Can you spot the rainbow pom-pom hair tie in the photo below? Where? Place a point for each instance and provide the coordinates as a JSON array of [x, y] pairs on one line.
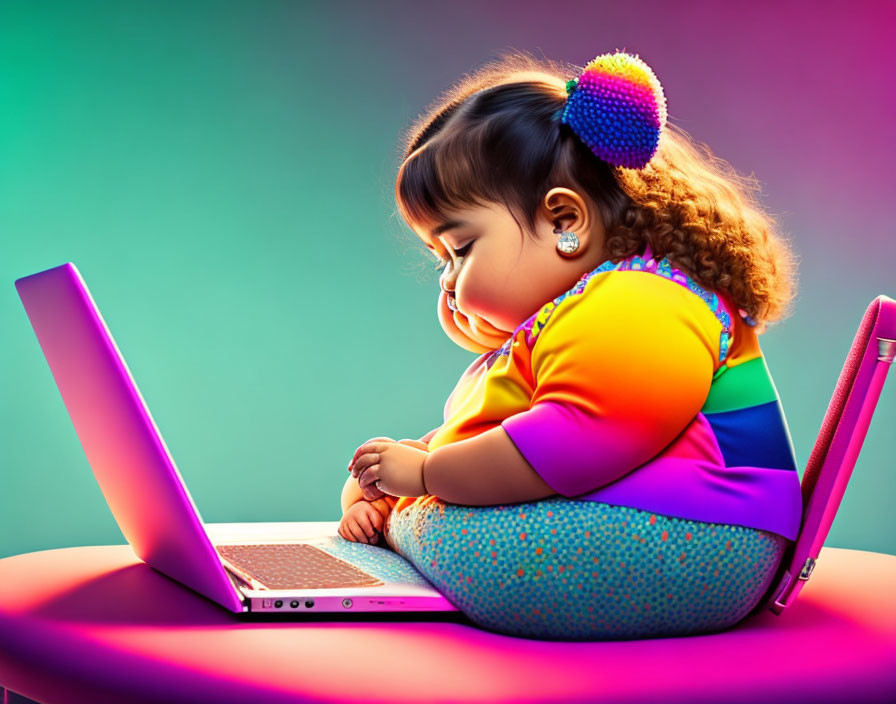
[[616, 106]]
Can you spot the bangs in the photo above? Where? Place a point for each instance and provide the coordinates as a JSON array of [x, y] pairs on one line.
[[500, 146], [444, 175]]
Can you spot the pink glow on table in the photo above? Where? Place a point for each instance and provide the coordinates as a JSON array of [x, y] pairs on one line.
[[108, 626]]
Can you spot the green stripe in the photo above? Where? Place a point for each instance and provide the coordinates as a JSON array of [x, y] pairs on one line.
[[742, 386]]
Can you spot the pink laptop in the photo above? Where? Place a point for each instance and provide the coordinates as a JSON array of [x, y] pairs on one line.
[[837, 447], [152, 505]]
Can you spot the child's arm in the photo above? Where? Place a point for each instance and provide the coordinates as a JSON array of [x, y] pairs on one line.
[[483, 470]]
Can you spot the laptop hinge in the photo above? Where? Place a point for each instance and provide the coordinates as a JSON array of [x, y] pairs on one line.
[[247, 579], [239, 586], [806, 572], [779, 603]]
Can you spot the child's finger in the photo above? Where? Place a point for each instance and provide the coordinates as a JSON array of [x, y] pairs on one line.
[[369, 476], [372, 493], [358, 451], [374, 446], [346, 528], [366, 460], [368, 483], [361, 463], [364, 521], [376, 518], [357, 531]]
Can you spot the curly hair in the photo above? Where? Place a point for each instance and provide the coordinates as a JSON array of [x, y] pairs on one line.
[[494, 136]]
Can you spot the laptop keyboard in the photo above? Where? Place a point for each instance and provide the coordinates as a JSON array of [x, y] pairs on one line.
[[295, 566]]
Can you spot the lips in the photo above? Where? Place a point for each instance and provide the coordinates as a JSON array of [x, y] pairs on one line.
[[452, 304]]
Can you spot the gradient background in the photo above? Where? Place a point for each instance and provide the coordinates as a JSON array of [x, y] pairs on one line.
[[222, 174]]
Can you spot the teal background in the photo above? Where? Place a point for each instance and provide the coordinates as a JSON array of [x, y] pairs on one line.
[[222, 175]]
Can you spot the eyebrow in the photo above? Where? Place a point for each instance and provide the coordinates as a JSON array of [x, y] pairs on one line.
[[448, 225]]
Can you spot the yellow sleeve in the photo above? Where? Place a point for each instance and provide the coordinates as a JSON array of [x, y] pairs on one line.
[[620, 370]]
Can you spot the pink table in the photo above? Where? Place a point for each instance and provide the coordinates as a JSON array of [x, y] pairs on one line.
[[95, 624]]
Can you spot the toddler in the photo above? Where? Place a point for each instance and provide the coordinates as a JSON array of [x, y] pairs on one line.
[[615, 463]]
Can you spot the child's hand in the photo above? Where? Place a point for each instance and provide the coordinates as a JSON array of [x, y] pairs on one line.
[[387, 467], [372, 493], [362, 522]]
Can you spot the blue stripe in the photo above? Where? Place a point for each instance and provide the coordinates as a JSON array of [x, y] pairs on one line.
[[754, 437]]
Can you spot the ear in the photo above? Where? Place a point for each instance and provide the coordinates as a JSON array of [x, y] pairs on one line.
[[567, 210]]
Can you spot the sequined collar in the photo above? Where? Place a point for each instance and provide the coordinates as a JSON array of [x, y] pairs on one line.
[[637, 262]]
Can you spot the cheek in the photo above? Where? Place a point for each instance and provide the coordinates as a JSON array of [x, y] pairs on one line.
[[496, 293], [480, 286], [504, 300]]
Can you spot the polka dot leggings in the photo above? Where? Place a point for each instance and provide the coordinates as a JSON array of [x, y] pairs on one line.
[[582, 570]]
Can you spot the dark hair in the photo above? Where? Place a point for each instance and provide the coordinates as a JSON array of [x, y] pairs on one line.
[[495, 137]]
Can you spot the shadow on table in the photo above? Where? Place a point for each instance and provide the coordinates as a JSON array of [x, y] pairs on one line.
[[139, 595]]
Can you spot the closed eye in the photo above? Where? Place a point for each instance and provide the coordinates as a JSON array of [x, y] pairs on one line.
[[465, 250], [462, 252]]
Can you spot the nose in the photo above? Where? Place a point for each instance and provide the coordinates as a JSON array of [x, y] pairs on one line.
[[447, 283], [448, 280]]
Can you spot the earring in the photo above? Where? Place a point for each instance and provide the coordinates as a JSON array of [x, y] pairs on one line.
[[568, 242]]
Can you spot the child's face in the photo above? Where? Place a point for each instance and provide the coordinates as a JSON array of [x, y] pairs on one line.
[[496, 276]]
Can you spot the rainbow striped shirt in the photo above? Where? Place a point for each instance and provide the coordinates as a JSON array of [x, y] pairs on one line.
[[639, 388]]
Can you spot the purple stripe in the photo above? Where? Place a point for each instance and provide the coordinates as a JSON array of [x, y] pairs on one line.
[[688, 479], [574, 451], [755, 497]]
